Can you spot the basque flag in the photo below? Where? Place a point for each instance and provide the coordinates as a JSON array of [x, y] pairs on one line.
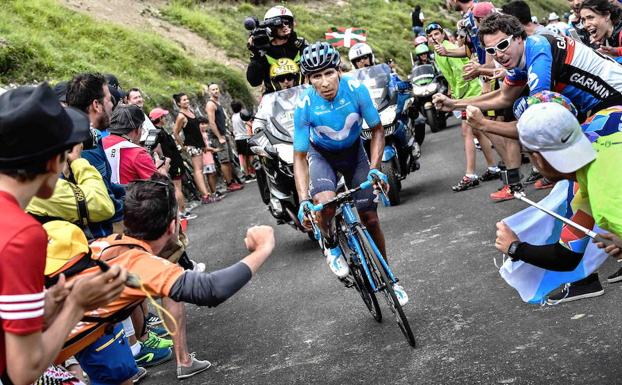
[[345, 37], [532, 283]]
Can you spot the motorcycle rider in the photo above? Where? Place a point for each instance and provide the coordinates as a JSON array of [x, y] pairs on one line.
[[284, 43], [327, 141], [422, 53]]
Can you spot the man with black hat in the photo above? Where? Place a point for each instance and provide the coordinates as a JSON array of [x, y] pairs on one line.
[[35, 134], [127, 159]]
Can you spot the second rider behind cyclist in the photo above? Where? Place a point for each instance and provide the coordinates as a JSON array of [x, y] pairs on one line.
[[327, 128]]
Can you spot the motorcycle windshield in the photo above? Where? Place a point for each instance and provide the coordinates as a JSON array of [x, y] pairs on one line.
[[280, 109], [422, 75], [376, 79]]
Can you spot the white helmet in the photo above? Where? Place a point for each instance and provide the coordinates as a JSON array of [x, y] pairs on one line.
[[359, 50], [278, 11]]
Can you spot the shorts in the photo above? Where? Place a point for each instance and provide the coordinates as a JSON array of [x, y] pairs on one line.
[[194, 151], [108, 360], [352, 163], [243, 148], [224, 155], [209, 168]]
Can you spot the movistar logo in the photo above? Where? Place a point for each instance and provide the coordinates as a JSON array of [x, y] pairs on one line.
[[306, 100], [353, 84]]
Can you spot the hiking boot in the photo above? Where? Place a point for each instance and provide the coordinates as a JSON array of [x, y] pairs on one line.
[[400, 293], [155, 342], [489, 175], [465, 183], [533, 177], [336, 262], [543, 183], [197, 366], [151, 357], [505, 194], [576, 291], [615, 277], [142, 372], [234, 187], [153, 320]]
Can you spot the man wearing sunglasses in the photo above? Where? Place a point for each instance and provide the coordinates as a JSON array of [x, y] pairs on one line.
[[284, 43]]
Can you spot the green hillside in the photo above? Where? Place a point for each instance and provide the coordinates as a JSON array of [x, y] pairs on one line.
[[387, 23], [41, 40]]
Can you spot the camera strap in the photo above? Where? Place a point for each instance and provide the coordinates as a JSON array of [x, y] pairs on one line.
[[83, 212]]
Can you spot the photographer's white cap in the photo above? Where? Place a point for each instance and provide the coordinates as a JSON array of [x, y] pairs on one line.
[[554, 132]]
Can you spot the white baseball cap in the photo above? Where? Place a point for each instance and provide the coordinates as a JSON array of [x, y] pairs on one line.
[[553, 16], [554, 132]]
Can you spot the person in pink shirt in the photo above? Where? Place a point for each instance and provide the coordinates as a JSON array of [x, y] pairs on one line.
[[128, 160]]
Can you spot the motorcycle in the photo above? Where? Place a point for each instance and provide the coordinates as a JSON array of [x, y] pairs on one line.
[[426, 82], [401, 152], [273, 142]]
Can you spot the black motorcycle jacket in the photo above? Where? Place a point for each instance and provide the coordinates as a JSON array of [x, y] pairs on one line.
[[259, 67]]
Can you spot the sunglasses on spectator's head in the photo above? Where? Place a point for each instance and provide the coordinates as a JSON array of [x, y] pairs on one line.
[[500, 46], [286, 77], [432, 27], [159, 183]]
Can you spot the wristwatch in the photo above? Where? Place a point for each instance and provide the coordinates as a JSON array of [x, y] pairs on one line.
[[512, 250]]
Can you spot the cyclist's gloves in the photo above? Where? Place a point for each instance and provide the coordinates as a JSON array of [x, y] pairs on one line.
[[301, 209], [375, 174]]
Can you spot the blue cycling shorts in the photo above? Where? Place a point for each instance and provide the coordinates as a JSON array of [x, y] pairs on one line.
[[108, 360], [352, 163]]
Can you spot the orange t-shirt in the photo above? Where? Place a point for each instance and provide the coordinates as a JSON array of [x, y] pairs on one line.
[[157, 274]]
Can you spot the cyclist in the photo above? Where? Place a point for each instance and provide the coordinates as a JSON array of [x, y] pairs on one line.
[[284, 43], [327, 127]]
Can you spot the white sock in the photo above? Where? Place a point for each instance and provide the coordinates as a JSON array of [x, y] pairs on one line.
[[472, 176], [135, 348], [494, 168]]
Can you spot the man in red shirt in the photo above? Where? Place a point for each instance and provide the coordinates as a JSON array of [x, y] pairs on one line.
[[35, 134], [128, 160]]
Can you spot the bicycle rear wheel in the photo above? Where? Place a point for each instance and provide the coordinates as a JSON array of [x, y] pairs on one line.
[[361, 283], [386, 286]]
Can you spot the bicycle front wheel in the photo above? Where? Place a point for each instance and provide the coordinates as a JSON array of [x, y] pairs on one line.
[[386, 286]]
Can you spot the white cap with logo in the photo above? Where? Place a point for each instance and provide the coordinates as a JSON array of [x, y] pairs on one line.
[[554, 132]]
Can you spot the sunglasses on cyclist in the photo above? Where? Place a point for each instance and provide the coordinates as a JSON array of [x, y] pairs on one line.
[[432, 27], [286, 77], [501, 46]]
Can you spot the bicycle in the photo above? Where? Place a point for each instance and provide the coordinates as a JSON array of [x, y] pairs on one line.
[[369, 272]]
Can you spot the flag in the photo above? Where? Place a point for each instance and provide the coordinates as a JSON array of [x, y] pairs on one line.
[[531, 225], [345, 37]]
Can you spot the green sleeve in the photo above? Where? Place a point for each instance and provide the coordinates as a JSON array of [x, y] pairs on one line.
[[453, 69]]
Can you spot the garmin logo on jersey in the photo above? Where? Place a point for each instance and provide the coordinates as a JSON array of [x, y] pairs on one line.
[[591, 84]]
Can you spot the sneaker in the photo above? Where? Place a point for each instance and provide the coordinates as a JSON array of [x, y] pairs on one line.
[[615, 277], [159, 331], [151, 357], [543, 183], [234, 187], [489, 175], [219, 195], [207, 199], [198, 266], [195, 367], [153, 320], [142, 372], [573, 292], [505, 194], [187, 216], [155, 342], [533, 177], [336, 262], [400, 293], [250, 179], [465, 183]]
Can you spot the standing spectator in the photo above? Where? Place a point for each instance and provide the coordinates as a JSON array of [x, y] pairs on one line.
[[557, 26], [418, 19], [218, 133], [127, 159], [36, 132], [193, 141], [209, 165], [602, 20], [241, 136], [135, 97]]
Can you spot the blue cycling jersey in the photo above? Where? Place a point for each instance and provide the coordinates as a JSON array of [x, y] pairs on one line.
[[472, 30], [333, 125], [589, 79]]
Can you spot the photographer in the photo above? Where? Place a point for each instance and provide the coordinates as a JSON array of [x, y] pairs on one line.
[[270, 40]]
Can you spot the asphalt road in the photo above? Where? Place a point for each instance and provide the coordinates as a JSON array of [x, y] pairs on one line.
[[295, 323]]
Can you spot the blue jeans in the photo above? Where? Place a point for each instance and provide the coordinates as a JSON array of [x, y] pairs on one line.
[[418, 31]]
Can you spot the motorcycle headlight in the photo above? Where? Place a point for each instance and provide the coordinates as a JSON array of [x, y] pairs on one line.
[[387, 116], [432, 87]]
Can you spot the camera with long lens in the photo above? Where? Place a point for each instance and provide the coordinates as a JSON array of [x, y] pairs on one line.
[[261, 31]]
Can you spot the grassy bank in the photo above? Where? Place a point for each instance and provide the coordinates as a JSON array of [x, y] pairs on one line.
[[387, 24], [41, 40]]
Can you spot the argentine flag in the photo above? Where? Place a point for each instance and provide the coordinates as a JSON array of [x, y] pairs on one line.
[[532, 283]]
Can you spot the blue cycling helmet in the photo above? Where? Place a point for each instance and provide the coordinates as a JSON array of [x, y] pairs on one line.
[[317, 57], [544, 96]]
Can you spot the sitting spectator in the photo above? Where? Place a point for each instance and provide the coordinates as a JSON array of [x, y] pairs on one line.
[[36, 132], [155, 199]]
